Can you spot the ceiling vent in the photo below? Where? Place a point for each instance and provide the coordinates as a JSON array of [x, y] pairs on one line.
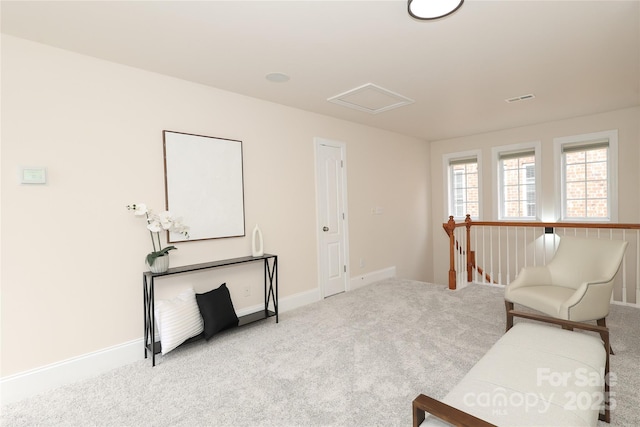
[[371, 99], [520, 98]]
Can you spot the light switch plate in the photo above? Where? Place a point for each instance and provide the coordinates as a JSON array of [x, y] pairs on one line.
[[33, 175]]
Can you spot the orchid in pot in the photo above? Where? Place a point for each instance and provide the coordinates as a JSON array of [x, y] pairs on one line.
[[157, 222]]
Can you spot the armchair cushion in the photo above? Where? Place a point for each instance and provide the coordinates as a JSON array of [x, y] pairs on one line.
[[547, 299], [528, 275]]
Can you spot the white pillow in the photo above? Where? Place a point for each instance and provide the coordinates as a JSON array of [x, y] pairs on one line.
[[178, 319]]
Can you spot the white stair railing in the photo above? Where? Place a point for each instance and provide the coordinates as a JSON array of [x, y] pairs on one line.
[[493, 253]]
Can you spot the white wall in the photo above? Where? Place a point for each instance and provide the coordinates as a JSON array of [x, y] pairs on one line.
[[72, 256], [627, 121]]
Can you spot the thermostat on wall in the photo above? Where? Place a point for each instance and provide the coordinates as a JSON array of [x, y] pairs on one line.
[[33, 175]]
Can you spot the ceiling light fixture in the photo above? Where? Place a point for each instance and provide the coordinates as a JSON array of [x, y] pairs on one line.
[[277, 77], [433, 9]]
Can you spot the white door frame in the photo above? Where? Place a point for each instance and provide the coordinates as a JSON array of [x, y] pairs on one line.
[[345, 235]]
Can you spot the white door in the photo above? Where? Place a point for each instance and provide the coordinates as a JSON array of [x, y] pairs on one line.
[[331, 206]]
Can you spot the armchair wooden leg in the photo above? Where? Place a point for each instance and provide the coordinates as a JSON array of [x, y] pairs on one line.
[[602, 322], [509, 306]]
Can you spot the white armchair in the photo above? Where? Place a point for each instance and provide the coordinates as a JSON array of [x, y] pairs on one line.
[[575, 285]]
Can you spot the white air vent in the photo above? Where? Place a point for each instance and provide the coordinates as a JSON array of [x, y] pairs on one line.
[[520, 98], [371, 99]]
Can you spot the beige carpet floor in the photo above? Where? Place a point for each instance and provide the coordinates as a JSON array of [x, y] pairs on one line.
[[358, 358]]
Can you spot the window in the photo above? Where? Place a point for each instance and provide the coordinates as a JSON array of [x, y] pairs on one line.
[[463, 178], [530, 179], [459, 190], [585, 181], [587, 176], [515, 181]]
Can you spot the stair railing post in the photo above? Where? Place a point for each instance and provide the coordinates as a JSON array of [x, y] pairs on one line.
[[450, 227], [470, 255]]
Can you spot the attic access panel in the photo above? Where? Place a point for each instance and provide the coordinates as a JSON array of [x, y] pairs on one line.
[[371, 99]]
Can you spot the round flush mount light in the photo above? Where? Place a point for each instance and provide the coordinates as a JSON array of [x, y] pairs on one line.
[[277, 77], [433, 9]]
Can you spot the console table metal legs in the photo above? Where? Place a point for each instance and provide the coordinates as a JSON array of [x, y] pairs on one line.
[[149, 321], [148, 297], [271, 276]]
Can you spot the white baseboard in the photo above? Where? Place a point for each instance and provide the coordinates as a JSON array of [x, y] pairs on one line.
[[298, 300], [287, 303], [627, 304], [29, 383], [374, 276], [32, 382]]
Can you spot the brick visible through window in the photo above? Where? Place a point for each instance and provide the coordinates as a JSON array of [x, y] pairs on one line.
[[464, 197], [518, 185], [586, 181]]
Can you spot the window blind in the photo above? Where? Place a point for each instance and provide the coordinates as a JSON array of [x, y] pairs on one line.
[[516, 154], [463, 161], [585, 146]]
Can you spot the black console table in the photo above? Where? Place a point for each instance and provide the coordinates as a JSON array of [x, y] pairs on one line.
[[270, 296]]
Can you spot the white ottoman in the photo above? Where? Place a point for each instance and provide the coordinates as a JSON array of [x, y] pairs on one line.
[[535, 375]]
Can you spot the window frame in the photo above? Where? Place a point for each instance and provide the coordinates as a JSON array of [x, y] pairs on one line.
[[595, 138], [447, 159], [498, 185]]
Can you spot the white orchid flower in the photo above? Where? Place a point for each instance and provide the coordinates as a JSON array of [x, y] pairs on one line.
[[138, 209], [179, 228], [157, 223], [154, 226], [165, 220]]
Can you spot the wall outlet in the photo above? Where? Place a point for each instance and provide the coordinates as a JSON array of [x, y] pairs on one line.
[[247, 291]]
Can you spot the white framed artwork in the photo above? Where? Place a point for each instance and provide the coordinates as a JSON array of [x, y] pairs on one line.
[[204, 185]]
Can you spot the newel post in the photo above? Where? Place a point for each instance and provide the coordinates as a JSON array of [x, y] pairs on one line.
[[449, 227], [471, 261]]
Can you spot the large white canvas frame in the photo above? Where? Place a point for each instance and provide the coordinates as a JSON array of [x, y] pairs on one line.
[[204, 185]]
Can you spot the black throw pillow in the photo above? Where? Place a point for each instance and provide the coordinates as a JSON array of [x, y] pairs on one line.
[[217, 311]]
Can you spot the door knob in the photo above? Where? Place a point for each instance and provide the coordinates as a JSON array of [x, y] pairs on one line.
[[325, 228]]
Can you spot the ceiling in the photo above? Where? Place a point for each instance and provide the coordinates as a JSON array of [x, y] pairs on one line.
[[576, 57]]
